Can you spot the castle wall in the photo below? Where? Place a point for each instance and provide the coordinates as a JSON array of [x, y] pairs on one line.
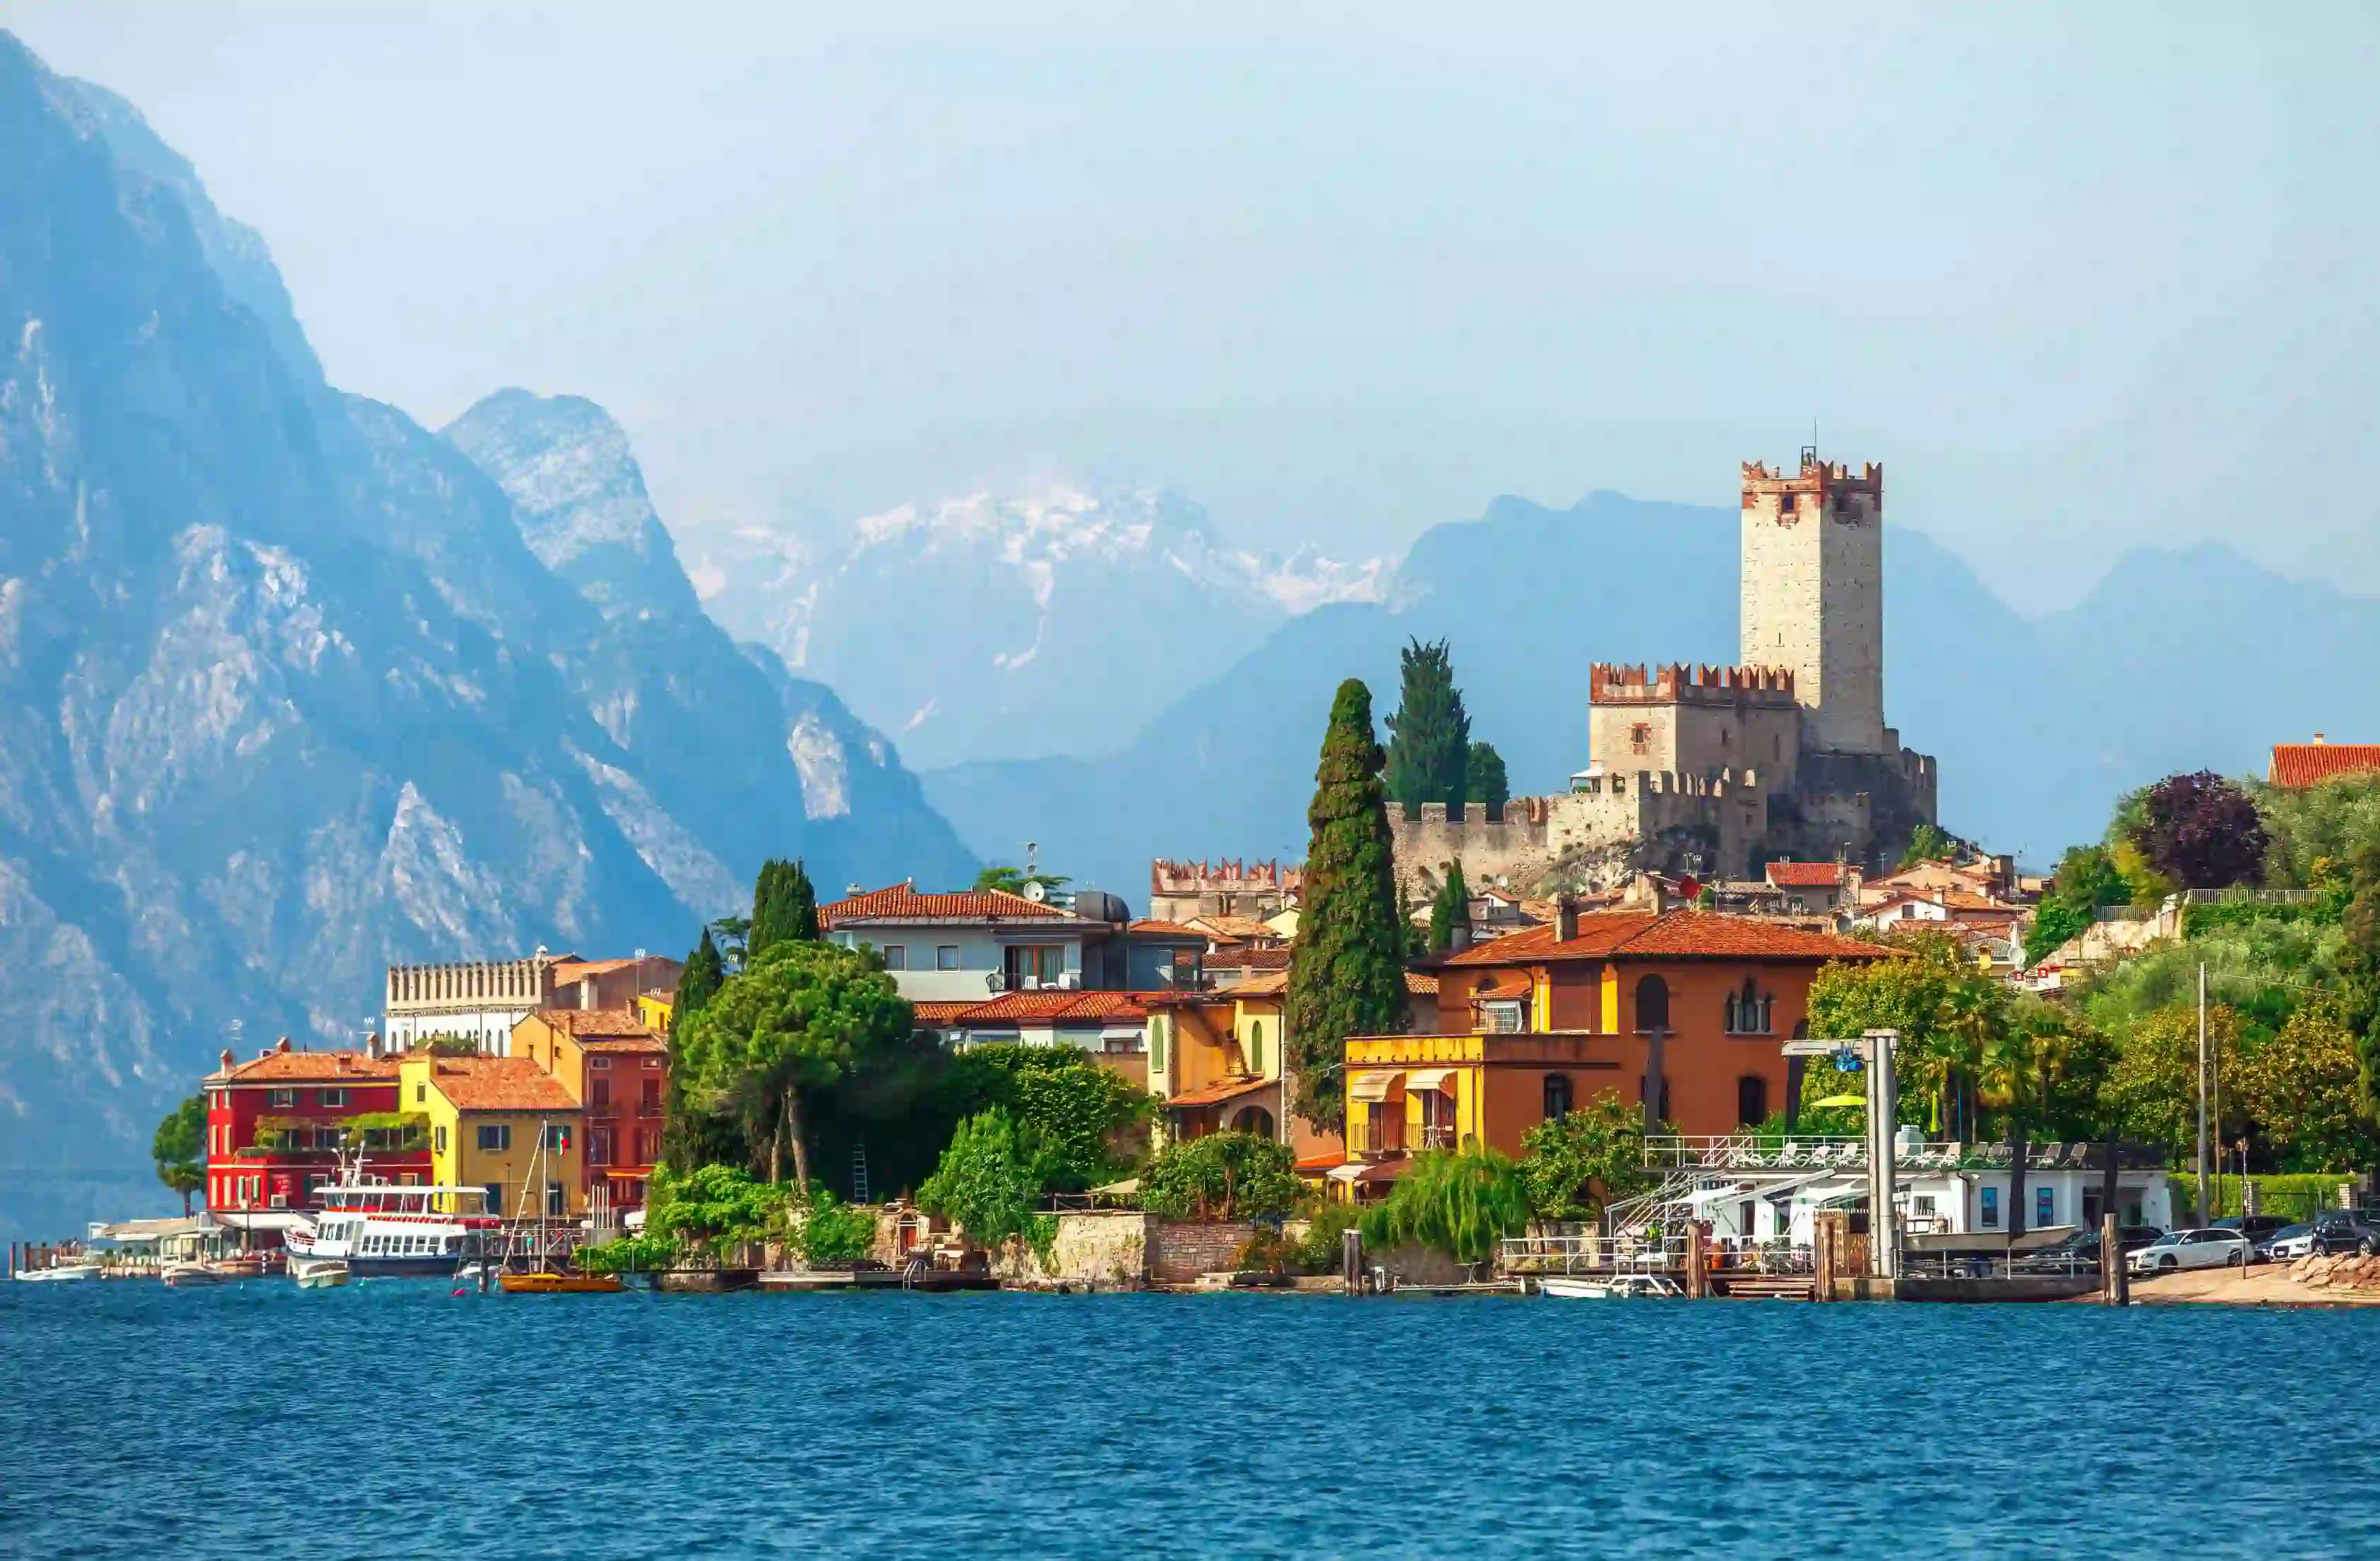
[[1608, 829], [1813, 596], [1704, 720]]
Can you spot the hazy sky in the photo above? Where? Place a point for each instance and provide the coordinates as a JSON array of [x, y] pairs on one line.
[[2084, 278]]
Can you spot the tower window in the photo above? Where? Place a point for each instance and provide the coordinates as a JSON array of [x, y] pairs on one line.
[[1785, 504], [1640, 737]]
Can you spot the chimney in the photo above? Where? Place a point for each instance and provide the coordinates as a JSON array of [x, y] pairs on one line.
[[227, 1059], [1565, 916], [2317, 738], [282, 1045]]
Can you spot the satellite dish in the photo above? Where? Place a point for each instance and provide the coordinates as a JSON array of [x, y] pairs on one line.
[[1036, 891]]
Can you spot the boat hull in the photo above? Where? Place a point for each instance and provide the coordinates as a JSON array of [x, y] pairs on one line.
[[558, 1284]]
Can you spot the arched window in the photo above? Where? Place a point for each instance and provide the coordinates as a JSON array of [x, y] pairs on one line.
[[1253, 1119], [1651, 1006], [1558, 1096], [1750, 1101], [1255, 1046]]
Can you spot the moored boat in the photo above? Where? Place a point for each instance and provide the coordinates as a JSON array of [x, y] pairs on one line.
[[189, 1275], [319, 1273], [1620, 1286], [382, 1229], [548, 1284], [59, 1274]]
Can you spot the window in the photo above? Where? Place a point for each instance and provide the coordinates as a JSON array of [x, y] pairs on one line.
[[1157, 1045], [1640, 737], [599, 1064], [946, 958], [334, 1097], [599, 1146], [649, 1145], [1748, 1010], [1558, 1096], [1501, 1017], [495, 1137], [896, 957], [557, 1140], [1030, 966], [599, 1094], [1750, 1101], [420, 1093], [1653, 1008], [1991, 1196], [284, 1097], [440, 1135], [553, 1204], [1255, 1046], [2045, 1206]]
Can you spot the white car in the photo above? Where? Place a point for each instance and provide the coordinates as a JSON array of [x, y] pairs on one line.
[[2193, 1249], [2289, 1243]]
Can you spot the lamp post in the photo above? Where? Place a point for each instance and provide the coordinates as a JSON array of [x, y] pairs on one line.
[[1874, 1048]]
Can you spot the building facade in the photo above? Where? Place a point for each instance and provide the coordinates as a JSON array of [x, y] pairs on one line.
[[277, 1123], [503, 1124], [481, 1001], [969, 947], [616, 1067]]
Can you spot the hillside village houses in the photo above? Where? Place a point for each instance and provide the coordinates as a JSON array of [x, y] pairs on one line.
[[481, 1001]]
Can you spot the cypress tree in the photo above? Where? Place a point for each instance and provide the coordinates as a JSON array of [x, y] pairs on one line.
[[1429, 737], [1450, 910], [785, 908], [1346, 973], [1484, 779], [703, 973]]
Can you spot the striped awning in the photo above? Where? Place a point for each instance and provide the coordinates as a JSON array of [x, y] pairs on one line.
[[1370, 1086], [1428, 1078]]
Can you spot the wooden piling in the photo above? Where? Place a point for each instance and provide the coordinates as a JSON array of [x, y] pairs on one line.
[[2115, 1272]]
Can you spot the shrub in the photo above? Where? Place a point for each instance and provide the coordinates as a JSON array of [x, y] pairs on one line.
[[1220, 1177], [832, 1233], [1459, 1205]]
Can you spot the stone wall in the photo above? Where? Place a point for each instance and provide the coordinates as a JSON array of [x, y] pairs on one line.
[[1185, 1250], [1107, 1249]]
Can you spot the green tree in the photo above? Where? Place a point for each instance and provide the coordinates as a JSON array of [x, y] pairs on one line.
[[1948, 1010], [986, 1181], [1484, 780], [1461, 1205], [1220, 1177], [2086, 879], [1346, 969], [1577, 1164], [2153, 1088], [1928, 842], [802, 1017], [699, 981], [785, 908], [713, 1211], [1012, 881], [1449, 909], [179, 1148], [735, 933], [829, 1232], [1429, 735], [2317, 826], [1079, 1123], [2303, 1089]]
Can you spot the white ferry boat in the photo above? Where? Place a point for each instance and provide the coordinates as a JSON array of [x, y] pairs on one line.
[[383, 1229]]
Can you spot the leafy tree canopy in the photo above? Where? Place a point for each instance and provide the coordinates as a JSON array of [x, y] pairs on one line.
[[2201, 831], [1947, 1009], [1577, 1164], [1079, 1123], [1429, 735], [785, 908], [179, 1148], [1484, 779], [713, 1209], [1462, 1204], [986, 1182], [829, 1233], [1012, 880], [1220, 1177], [1928, 842], [704, 973], [1449, 909]]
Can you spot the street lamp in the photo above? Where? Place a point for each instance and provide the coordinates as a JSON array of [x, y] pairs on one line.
[[1874, 1047]]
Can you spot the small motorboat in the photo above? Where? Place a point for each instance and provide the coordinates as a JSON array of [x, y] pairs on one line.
[[319, 1273], [247, 1265], [189, 1275], [548, 1284], [59, 1274], [1620, 1286]]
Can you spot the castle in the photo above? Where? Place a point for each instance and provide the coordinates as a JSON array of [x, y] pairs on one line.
[[1716, 770]]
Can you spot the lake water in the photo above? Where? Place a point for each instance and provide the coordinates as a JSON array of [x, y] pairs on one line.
[[395, 1419]]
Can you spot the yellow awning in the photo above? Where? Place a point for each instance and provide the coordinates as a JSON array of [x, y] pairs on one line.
[[1370, 1086], [1428, 1078]]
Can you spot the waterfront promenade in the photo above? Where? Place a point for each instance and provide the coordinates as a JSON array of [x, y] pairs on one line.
[[397, 1420]]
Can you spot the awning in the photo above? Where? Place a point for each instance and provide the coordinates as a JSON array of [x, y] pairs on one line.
[[1368, 1171], [1369, 1086], [1124, 1189], [1428, 1078], [1216, 1094]]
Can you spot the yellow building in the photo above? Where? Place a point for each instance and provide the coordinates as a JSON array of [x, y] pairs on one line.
[[500, 1123], [656, 1009]]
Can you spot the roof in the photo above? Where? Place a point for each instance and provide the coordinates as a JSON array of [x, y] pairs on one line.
[[1235, 927], [1506, 984], [902, 903], [1043, 1007], [1275, 958], [1271, 983], [1217, 1093], [1806, 874], [282, 1066], [2309, 764], [597, 1024], [567, 970], [1674, 934], [1420, 983], [499, 1084], [1151, 928], [940, 1013]]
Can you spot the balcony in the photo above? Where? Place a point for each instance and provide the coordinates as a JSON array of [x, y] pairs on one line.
[[650, 1110], [1376, 1135]]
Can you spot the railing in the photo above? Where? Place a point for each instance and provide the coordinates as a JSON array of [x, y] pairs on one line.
[[1747, 1152], [1435, 1137], [1590, 1255], [2239, 896], [650, 1108], [1376, 1138]]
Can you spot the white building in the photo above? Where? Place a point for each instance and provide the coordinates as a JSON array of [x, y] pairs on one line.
[[481, 1000], [972, 945]]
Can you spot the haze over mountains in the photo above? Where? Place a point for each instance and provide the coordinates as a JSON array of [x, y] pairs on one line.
[[289, 689]]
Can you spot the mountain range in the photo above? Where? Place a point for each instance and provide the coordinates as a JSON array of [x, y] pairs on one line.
[[1015, 626], [291, 688]]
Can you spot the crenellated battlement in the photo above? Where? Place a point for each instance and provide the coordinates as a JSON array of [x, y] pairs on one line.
[[1815, 476], [1679, 683]]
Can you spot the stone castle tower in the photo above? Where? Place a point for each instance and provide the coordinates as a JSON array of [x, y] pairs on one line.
[[1813, 570]]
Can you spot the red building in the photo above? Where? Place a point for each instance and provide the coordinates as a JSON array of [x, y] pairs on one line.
[[276, 1123], [617, 1069]]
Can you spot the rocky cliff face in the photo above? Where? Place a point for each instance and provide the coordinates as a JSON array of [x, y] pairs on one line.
[[291, 688]]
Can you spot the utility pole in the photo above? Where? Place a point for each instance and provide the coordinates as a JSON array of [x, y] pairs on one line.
[[2205, 1215]]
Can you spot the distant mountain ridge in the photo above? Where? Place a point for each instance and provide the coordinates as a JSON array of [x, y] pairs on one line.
[[291, 688], [2038, 724], [992, 624]]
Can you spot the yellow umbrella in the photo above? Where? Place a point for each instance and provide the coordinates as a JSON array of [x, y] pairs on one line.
[[1832, 1101]]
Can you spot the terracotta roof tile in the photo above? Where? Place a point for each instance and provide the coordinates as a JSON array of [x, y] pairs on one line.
[[2309, 764], [499, 1084], [1250, 959], [1269, 983], [597, 1024], [308, 1068], [1152, 928], [1216, 1094], [902, 903], [1420, 983], [1056, 1008], [1641, 934], [1501, 986], [940, 1013], [1806, 874]]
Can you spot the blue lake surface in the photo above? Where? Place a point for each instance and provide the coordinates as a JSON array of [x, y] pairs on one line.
[[395, 1419]]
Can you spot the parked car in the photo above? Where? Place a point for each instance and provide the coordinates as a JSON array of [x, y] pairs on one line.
[[2287, 1244], [2255, 1227], [2078, 1253], [2340, 1231], [2192, 1248]]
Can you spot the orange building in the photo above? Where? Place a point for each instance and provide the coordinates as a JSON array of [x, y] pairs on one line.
[[617, 1069], [1536, 1024]]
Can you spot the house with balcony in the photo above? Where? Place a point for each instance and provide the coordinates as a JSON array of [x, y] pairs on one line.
[[1536, 1023], [616, 1067], [277, 1123]]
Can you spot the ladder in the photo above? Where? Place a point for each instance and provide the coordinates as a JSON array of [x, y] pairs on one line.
[[859, 1173]]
